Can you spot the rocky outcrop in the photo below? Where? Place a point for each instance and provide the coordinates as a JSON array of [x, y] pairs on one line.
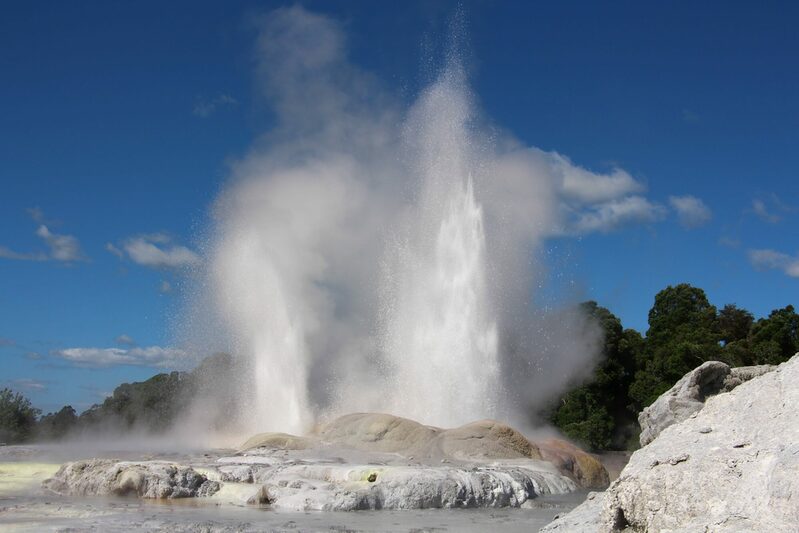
[[280, 441], [582, 519], [479, 441], [688, 395], [730, 466], [357, 487], [486, 439], [359, 461], [378, 432], [147, 479], [582, 467]]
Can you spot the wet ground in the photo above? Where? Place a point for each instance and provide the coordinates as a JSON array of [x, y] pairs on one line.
[[25, 506]]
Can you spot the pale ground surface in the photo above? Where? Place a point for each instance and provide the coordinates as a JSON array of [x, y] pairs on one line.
[[25, 506]]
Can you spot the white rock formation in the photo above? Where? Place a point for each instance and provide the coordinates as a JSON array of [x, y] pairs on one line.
[[146, 479], [688, 395], [731, 466], [360, 461]]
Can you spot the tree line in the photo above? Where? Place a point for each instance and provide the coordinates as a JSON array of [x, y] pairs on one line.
[[600, 412], [151, 406], [685, 330]]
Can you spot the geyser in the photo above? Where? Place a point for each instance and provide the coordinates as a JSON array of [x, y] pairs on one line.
[[369, 255], [440, 331]]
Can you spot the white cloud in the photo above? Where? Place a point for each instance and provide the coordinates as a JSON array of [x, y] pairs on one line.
[[62, 247], [114, 250], [204, 108], [585, 187], [125, 339], [28, 384], [164, 287], [774, 260], [7, 253], [691, 211], [155, 251], [759, 208], [155, 356], [729, 242], [610, 215], [37, 215]]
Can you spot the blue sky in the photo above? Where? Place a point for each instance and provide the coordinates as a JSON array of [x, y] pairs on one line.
[[119, 122]]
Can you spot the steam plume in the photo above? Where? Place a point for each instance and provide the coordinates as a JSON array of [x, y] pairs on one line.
[[371, 256]]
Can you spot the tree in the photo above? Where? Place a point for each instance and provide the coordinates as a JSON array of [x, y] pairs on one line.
[[56, 425], [683, 333], [734, 323], [17, 417], [596, 413], [775, 339], [152, 404]]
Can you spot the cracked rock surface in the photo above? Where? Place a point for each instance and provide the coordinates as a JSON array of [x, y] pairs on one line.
[[145, 479], [742, 475], [358, 461]]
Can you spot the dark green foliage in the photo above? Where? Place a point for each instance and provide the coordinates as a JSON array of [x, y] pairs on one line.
[[734, 324], [151, 404], [154, 405], [17, 417], [53, 426], [596, 413], [685, 330], [683, 334], [775, 339], [582, 417]]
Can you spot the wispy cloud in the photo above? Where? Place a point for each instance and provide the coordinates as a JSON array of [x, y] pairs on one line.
[[155, 251], [729, 242], [774, 260], [204, 107], [691, 211], [114, 250], [595, 202], [585, 187], [27, 384], [760, 209], [690, 116], [61, 247], [125, 339], [155, 356], [6, 342], [611, 215], [7, 253]]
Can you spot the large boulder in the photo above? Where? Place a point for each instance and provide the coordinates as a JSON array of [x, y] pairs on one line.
[[688, 395], [731, 466]]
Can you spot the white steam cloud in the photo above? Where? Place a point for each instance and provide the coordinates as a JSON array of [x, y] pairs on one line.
[[367, 256]]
